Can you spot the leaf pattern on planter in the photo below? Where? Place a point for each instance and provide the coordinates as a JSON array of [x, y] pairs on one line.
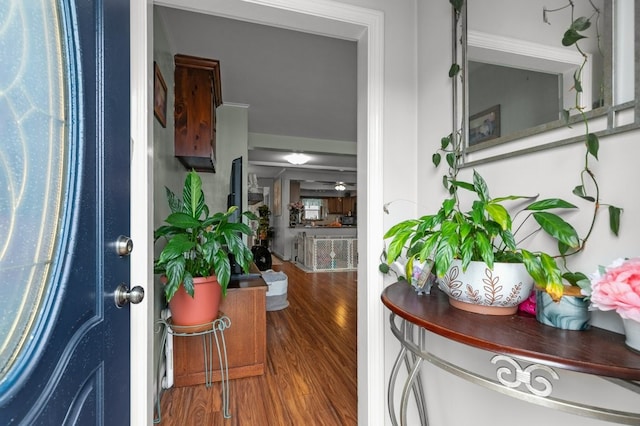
[[492, 288], [473, 295], [514, 295], [453, 284]]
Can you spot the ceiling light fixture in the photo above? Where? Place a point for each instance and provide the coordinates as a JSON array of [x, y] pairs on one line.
[[340, 186], [297, 158]]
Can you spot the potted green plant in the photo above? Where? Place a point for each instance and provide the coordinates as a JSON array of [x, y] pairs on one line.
[[265, 231], [197, 253], [483, 233]]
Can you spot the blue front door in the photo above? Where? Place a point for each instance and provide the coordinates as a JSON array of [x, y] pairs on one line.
[[64, 201]]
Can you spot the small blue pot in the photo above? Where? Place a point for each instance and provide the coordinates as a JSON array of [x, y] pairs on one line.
[[570, 313]]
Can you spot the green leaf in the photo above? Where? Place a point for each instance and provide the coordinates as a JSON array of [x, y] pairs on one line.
[[447, 247], [223, 270], [571, 36], [556, 227], [553, 276], [533, 266], [401, 226], [444, 142], [174, 271], [397, 244], [614, 219], [512, 197], [593, 145], [435, 158], [192, 194], [574, 277], [454, 70], [183, 221], [175, 203], [508, 239], [484, 248], [577, 84], [499, 214], [550, 203], [175, 248], [465, 230], [448, 205], [466, 251], [579, 191], [581, 24], [480, 186], [445, 182], [408, 267], [461, 184], [187, 283], [384, 268], [451, 159], [457, 4]]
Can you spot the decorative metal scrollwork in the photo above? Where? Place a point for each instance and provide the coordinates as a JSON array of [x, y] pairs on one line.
[[530, 376]]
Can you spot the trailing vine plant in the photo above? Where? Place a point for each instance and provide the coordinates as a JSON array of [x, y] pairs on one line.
[[588, 189]]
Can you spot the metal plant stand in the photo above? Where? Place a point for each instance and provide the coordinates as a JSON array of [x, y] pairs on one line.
[[209, 332]]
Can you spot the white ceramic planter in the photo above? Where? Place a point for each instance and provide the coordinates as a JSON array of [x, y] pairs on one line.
[[496, 291], [632, 333]]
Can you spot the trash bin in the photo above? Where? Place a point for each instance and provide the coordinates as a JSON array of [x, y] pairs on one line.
[[277, 292]]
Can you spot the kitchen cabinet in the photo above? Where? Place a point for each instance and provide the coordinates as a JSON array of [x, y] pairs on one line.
[[341, 205], [334, 205], [349, 204], [197, 95]]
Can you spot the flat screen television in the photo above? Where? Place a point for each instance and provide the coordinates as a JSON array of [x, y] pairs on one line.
[[235, 189], [235, 199]]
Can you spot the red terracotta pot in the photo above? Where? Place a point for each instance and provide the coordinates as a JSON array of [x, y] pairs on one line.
[[202, 308]]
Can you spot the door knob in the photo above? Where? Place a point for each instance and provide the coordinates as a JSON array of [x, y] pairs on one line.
[[123, 295], [124, 245]]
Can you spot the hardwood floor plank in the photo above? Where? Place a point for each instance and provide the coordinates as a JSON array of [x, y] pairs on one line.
[[310, 376]]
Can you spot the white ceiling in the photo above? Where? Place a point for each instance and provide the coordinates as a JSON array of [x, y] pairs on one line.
[[296, 84]]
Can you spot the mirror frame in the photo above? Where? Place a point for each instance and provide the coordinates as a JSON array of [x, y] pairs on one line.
[[545, 135]]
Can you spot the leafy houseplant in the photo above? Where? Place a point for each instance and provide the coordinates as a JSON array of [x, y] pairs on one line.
[[199, 244], [482, 233], [265, 231]]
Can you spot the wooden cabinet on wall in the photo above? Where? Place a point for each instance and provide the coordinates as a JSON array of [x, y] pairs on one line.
[[334, 205], [341, 205], [197, 95], [349, 205]]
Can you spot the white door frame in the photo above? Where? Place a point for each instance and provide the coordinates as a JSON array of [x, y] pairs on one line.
[[325, 17], [142, 314]]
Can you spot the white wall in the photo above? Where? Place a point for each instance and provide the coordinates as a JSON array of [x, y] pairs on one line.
[[167, 170], [552, 172], [231, 143]]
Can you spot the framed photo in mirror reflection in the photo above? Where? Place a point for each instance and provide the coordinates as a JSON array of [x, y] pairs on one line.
[[484, 125]]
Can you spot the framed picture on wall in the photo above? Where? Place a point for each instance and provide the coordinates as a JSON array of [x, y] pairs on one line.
[[484, 125], [159, 96], [277, 197]]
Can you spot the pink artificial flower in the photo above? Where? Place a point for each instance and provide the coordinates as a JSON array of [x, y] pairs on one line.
[[617, 287]]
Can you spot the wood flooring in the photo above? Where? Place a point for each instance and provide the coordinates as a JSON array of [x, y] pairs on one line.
[[311, 364]]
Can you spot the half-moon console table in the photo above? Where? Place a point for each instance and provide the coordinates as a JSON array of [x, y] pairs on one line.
[[526, 354]]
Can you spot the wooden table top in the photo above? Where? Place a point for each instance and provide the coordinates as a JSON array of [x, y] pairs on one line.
[[594, 351]]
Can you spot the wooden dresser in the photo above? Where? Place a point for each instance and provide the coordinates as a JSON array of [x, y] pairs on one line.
[[246, 338]]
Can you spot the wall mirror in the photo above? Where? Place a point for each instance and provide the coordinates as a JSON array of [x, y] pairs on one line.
[[517, 77]]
